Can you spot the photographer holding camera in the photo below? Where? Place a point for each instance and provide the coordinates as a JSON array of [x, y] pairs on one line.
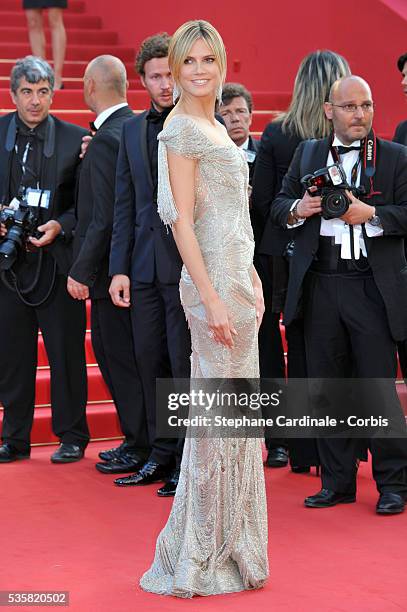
[[348, 270], [39, 157]]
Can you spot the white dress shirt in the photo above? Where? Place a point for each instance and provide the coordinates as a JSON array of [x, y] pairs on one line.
[[101, 118]]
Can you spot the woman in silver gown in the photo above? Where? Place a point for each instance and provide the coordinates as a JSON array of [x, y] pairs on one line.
[[215, 540]]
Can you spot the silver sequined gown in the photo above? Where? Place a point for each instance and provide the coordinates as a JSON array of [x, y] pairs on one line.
[[215, 540]]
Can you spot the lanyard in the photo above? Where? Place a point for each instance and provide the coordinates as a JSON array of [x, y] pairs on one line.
[[23, 160], [355, 169], [25, 168]]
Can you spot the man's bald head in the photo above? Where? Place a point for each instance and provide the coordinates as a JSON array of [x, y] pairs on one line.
[[105, 82], [347, 85], [109, 73], [350, 108]]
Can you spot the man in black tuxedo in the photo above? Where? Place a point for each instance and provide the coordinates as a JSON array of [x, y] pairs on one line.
[[145, 263], [39, 157], [105, 86], [401, 130], [236, 111], [354, 303], [400, 136]]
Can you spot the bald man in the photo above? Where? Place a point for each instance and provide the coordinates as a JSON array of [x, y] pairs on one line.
[[354, 298], [105, 87]]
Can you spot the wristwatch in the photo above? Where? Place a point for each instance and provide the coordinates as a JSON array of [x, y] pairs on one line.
[[294, 216], [375, 220]]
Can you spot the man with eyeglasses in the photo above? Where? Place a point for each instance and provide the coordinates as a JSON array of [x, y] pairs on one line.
[[350, 275]]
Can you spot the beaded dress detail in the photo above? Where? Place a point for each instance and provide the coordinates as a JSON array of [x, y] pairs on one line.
[[215, 540]]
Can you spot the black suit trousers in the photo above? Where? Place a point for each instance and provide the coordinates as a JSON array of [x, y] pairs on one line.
[[112, 341], [62, 322], [347, 335], [162, 348]]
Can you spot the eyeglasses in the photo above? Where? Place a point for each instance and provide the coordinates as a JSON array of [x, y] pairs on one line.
[[367, 107]]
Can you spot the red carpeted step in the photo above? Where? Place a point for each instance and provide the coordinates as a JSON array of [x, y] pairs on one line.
[[74, 6], [71, 68], [97, 390], [264, 100], [71, 20], [101, 416], [75, 36], [74, 52]]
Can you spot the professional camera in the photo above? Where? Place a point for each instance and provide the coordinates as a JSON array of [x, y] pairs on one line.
[[20, 224], [331, 184]]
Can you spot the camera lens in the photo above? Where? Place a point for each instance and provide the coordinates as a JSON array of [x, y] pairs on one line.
[[9, 247], [334, 204]]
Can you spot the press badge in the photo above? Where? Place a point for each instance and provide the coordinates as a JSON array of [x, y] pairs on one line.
[[250, 156], [32, 197]]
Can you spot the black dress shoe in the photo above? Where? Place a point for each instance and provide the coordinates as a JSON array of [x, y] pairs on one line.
[[277, 457], [170, 487], [67, 453], [115, 453], [390, 503], [150, 472], [124, 464], [326, 498], [9, 453]]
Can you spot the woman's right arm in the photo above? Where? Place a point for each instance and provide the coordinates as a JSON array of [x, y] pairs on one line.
[[182, 172]]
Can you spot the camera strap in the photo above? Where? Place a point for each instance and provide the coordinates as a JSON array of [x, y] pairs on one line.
[[355, 168], [369, 160]]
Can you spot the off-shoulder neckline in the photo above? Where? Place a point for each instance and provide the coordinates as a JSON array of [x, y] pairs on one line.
[[201, 131]]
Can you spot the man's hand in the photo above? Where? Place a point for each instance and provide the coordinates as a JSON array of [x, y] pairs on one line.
[[51, 230], [309, 205], [84, 146], [120, 290], [77, 290], [358, 212], [3, 230]]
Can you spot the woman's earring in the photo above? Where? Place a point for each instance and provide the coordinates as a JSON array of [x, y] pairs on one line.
[[175, 93], [219, 95]]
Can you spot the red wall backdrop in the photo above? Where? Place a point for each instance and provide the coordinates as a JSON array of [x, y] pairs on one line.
[[266, 40]]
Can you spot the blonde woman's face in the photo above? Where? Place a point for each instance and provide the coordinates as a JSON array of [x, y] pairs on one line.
[[200, 73]]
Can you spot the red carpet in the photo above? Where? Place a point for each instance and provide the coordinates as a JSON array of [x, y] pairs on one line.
[[66, 527]]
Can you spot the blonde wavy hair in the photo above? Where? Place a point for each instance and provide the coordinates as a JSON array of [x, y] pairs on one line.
[[316, 74]]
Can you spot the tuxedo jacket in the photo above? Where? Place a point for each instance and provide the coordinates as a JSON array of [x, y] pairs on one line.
[[59, 170], [400, 134], [276, 151], [253, 145], [385, 253], [94, 206], [142, 247]]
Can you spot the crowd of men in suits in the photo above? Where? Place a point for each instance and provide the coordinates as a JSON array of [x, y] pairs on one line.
[[100, 238]]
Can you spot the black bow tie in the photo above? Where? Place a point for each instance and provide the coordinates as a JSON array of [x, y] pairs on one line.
[[27, 132], [342, 150], [92, 126], [153, 116]]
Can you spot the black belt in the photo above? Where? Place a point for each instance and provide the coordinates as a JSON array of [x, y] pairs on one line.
[[328, 260]]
